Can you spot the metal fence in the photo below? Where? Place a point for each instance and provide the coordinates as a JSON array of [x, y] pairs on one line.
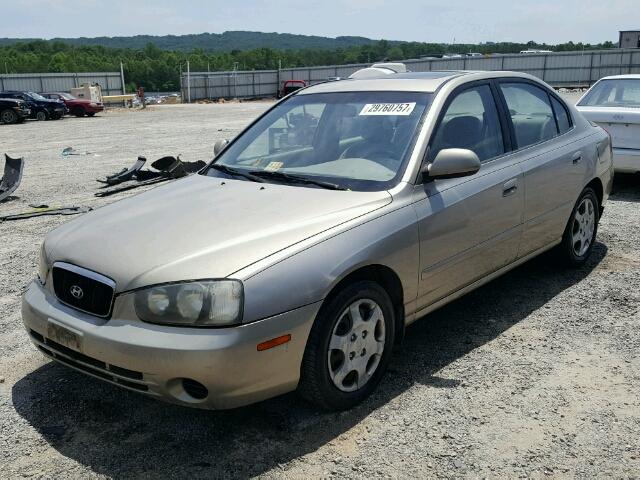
[[561, 69], [110, 82]]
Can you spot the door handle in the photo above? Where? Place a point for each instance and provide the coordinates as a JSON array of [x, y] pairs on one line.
[[577, 158], [510, 187]]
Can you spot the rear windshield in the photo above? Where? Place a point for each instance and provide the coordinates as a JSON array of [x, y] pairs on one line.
[[613, 93]]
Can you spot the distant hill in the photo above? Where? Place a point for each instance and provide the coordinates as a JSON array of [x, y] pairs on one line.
[[215, 42]]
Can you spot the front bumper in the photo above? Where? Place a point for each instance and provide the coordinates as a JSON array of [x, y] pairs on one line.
[[154, 359], [626, 160]]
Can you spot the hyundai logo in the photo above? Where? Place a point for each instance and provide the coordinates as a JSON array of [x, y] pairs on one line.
[[76, 292]]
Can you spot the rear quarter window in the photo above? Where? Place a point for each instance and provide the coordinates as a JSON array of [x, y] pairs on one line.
[[562, 115]]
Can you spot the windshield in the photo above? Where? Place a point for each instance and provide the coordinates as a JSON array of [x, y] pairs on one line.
[[352, 140], [613, 93], [36, 96]]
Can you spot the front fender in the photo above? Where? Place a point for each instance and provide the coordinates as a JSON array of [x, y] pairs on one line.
[[309, 275]]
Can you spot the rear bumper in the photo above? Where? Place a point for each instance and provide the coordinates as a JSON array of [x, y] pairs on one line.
[[626, 160], [154, 359]]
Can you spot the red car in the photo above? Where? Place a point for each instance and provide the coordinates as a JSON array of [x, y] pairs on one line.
[[76, 106]]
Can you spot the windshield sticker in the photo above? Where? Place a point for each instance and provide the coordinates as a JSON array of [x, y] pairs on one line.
[[274, 166], [388, 108]]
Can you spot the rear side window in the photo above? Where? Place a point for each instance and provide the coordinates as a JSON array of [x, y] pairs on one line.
[[531, 113], [471, 121], [562, 116]]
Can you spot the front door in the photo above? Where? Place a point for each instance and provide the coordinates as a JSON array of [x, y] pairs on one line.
[[471, 226]]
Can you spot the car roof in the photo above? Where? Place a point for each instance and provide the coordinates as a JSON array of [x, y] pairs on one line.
[[634, 76], [428, 82], [408, 82]]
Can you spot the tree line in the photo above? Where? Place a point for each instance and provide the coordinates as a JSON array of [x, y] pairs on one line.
[[159, 70]]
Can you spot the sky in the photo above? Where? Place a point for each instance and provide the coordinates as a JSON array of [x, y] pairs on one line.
[[446, 21]]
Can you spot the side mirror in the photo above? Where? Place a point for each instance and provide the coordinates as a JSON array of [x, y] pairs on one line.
[[219, 146], [452, 163]]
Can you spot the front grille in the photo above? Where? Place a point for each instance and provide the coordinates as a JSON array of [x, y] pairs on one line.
[[93, 366], [83, 289]]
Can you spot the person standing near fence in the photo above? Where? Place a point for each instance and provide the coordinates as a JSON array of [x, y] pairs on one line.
[[140, 93]]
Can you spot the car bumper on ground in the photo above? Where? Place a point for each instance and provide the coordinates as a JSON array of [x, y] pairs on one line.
[[626, 160], [205, 368]]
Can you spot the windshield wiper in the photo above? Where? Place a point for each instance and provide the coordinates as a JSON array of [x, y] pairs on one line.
[[236, 172], [287, 177]]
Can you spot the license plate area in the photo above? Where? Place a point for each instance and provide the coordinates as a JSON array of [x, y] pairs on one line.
[[65, 336]]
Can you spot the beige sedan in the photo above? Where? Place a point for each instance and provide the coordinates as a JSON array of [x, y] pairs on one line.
[[297, 258]]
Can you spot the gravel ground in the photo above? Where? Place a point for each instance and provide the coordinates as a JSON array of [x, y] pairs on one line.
[[535, 374]]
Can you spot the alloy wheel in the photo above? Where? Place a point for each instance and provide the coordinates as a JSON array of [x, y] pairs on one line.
[[584, 223], [356, 345], [8, 117]]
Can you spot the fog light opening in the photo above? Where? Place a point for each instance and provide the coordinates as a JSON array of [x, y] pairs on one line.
[[194, 389]]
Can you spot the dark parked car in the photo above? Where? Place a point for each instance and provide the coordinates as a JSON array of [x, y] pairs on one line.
[[76, 106], [41, 108], [13, 111]]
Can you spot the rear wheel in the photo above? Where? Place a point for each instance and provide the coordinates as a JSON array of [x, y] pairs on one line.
[[580, 233], [349, 347], [42, 116], [8, 116]]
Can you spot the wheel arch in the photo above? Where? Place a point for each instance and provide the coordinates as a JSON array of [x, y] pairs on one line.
[[388, 279], [596, 185]]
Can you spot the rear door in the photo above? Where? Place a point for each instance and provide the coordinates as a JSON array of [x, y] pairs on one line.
[[552, 158], [471, 226]]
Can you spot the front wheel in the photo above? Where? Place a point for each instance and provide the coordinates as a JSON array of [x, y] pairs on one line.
[[9, 116], [580, 233], [42, 116], [349, 347]]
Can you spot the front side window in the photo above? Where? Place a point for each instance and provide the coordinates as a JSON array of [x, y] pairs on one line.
[[353, 140], [36, 96], [613, 93], [471, 122], [531, 113]]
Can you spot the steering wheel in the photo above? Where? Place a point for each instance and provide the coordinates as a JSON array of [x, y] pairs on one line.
[[371, 152]]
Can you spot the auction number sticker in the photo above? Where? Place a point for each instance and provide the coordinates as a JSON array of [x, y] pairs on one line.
[[388, 108]]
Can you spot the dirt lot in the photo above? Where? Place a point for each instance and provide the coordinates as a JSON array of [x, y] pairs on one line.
[[536, 374]]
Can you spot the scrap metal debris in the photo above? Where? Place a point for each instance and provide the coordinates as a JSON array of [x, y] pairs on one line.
[[72, 151], [166, 168], [125, 174], [131, 186], [12, 176], [46, 210]]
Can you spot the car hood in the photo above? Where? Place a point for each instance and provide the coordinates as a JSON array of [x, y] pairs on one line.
[[201, 227], [11, 100]]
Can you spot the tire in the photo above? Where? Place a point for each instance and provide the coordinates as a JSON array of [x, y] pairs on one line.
[[581, 230], [8, 116], [90, 114], [78, 111], [329, 377], [42, 115]]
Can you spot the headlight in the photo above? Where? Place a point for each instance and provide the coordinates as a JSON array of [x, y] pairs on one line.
[[207, 303], [43, 265]]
